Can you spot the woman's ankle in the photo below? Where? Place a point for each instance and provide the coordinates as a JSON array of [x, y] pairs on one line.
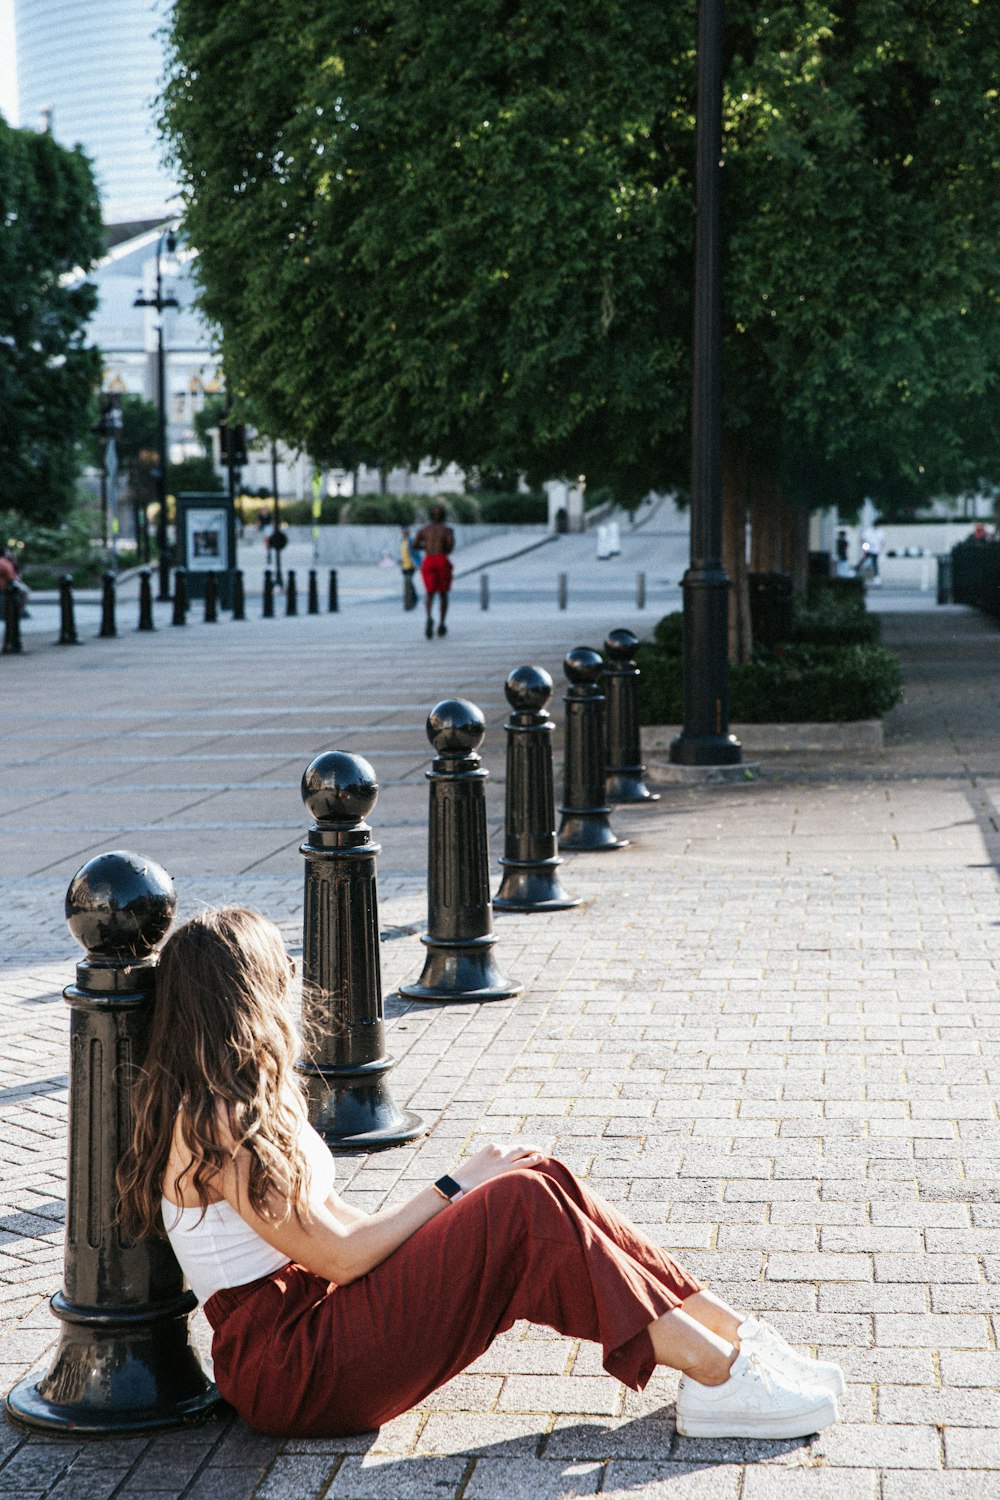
[[714, 1369]]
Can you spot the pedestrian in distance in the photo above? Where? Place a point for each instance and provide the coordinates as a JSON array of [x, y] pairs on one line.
[[436, 541], [330, 1321], [408, 560], [872, 542]]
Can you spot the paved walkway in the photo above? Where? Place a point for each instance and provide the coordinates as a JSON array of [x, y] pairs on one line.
[[771, 1033]]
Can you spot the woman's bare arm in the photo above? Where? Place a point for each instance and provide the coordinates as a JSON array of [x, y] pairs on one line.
[[337, 1241]]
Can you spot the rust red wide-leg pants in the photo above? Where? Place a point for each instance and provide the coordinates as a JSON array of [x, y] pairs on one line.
[[298, 1357]]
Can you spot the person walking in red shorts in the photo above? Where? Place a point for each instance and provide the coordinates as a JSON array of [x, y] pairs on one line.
[[327, 1320], [436, 541]]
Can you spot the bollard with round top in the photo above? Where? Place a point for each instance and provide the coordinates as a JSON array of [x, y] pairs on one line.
[[180, 597], [312, 607], [108, 628], [624, 781], [459, 964], [268, 602], [239, 596], [67, 614], [124, 1361], [291, 594], [347, 1075], [12, 644], [145, 602], [530, 861], [584, 827], [332, 603]]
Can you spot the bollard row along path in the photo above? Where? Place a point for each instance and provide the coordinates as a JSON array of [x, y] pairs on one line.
[[769, 1031]]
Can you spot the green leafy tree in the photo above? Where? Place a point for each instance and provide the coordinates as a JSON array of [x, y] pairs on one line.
[[481, 249], [50, 225]]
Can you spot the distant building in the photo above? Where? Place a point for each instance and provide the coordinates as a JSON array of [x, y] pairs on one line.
[[90, 71]]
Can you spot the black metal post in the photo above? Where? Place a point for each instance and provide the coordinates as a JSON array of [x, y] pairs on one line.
[[161, 303], [350, 1103], [12, 644], [291, 594], [563, 590], [313, 606], [67, 615], [180, 597], [624, 781], [211, 598], [704, 739], [584, 826], [124, 1362], [268, 594], [108, 627], [640, 591], [332, 604], [145, 602], [484, 591], [239, 597], [530, 860], [459, 963]]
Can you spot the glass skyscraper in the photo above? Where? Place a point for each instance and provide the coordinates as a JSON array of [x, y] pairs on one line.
[[97, 65]]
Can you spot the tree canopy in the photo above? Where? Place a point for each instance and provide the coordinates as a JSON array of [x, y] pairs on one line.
[[465, 230], [50, 225]]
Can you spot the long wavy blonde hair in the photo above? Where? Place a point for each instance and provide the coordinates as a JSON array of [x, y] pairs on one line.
[[220, 1035]]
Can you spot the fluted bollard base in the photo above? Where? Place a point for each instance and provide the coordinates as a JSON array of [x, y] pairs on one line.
[[460, 970], [101, 1374], [586, 830], [627, 785], [532, 887], [353, 1108]]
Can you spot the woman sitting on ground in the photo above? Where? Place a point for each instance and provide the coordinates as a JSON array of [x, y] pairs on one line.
[[329, 1321]]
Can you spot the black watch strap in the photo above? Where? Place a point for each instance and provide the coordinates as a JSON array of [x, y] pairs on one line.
[[449, 1188]]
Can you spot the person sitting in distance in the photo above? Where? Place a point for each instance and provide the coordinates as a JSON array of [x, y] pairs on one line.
[[329, 1321]]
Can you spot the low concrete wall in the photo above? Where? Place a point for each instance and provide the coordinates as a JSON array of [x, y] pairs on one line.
[[340, 545]]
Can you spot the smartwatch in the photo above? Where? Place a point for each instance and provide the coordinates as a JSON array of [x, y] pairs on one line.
[[448, 1188]]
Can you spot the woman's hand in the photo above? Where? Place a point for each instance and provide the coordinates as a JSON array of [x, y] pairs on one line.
[[493, 1161]]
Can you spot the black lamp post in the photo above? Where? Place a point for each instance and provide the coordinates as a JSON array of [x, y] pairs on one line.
[[704, 739], [161, 302]]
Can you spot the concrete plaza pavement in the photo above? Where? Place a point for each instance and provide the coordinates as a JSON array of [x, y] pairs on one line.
[[770, 1034]]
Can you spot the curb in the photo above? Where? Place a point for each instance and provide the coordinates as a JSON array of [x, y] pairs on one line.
[[854, 735]]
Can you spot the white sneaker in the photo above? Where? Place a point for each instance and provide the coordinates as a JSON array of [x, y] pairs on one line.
[[802, 1369], [756, 1401]]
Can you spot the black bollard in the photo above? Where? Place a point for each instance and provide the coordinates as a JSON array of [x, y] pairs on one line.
[[347, 1076], [563, 590], [12, 644], [291, 594], [584, 826], [180, 597], [332, 604], [313, 606], [640, 588], [211, 598], [239, 598], [459, 963], [124, 1362], [145, 601], [530, 861], [108, 628], [67, 614], [623, 782], [484, 591], [268, 594]]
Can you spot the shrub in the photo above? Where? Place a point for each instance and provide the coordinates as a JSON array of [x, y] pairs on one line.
[[44, 553], [790, 684], [194, 475], [833, 619], [379, 510], [669, 633], [516, 509]]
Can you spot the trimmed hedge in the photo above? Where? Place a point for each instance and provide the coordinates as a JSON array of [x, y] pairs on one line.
[[515, 509], [788, 685]]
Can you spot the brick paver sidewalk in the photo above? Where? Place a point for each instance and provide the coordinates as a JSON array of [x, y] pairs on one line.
[[771, 1033]]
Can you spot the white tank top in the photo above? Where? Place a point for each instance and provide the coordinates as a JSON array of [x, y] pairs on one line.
[[221, 1249]]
